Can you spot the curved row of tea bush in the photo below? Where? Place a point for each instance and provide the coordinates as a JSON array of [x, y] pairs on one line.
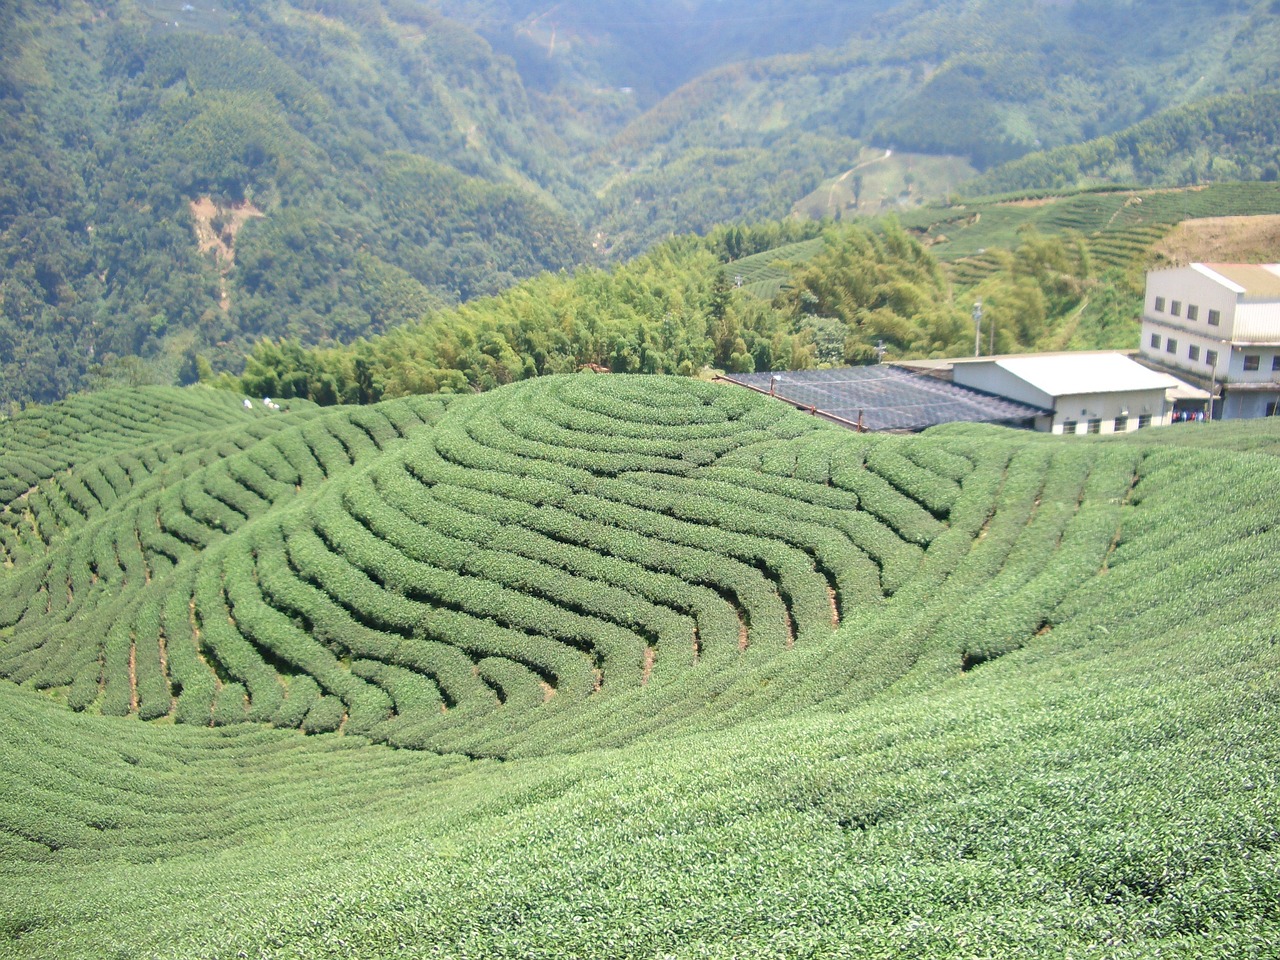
[[1056, 736], [40, 441], [84, 611], [564, 562]]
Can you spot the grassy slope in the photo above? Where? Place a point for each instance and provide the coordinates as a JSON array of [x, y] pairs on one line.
[[1106, 787]]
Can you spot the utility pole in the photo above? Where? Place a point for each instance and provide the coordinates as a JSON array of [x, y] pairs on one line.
[[1213, 388], [977, 327], [1224, 346]]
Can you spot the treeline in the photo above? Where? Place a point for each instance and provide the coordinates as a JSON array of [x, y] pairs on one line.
[[870, 291], [1227, 138]]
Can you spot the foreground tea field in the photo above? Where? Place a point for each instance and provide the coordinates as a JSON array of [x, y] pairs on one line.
[[679, 672]]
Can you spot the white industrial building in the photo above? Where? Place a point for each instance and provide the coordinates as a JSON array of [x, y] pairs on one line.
[[1218, 325], [1086, 392]]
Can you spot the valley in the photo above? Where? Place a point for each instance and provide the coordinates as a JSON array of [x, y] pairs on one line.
[[386, 568]]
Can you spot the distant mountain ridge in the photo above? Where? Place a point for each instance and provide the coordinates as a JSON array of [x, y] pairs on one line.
[[987, 80], [1230, 137]]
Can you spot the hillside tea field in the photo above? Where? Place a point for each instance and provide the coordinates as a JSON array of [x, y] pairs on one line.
[[630, 666]]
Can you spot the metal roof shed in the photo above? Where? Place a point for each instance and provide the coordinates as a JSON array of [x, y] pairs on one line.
[[1089, 390], [887, 398]]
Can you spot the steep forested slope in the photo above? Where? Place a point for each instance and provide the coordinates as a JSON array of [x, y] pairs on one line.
[[1234, 137], [177, 180]]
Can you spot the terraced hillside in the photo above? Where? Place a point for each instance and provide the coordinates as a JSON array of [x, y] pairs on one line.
[[1118, 225], [972, 237], [704, 673], [563, 564]]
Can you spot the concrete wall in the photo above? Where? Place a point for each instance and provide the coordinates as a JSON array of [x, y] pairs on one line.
[[1236, 373], [1189, 287], [986, 376], [1246, 406], [1181, 357], [1106, 407]]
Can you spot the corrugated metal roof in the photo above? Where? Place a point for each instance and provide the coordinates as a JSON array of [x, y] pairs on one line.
[[1256, 281], [888, 398], [1064, 374]]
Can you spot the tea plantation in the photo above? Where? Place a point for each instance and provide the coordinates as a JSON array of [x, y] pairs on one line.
[[628, 666]]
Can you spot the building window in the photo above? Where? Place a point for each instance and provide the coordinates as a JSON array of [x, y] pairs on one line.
[[1193, 312], [1275, 363], [1121, 424], [1171, 345], [1251, 361], [1068, 426], [1215, 317], [1159, 304], [1175, 308], [1155, 341], [1211, 357], [1144, 421], [1095, 426], [1271, 409], [1193, 353]]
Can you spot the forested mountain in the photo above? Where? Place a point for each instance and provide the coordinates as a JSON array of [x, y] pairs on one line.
[[1234, 137], [989, 80], [181, 179], [650, 47], [346, 166]]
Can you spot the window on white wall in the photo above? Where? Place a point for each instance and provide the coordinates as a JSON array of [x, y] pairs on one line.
[[1121, 424], [1175, 308], [1215, 317], [1159, 304], [1193, 353], [1251, 361], [1155, 341], [1193, 312], [1211, 357], [1171, 345]]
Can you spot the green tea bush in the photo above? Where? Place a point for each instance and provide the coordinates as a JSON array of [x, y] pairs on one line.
[[485, 574], [325, 716]]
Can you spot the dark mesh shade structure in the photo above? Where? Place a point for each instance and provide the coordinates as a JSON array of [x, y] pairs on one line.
[[888, 398]]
